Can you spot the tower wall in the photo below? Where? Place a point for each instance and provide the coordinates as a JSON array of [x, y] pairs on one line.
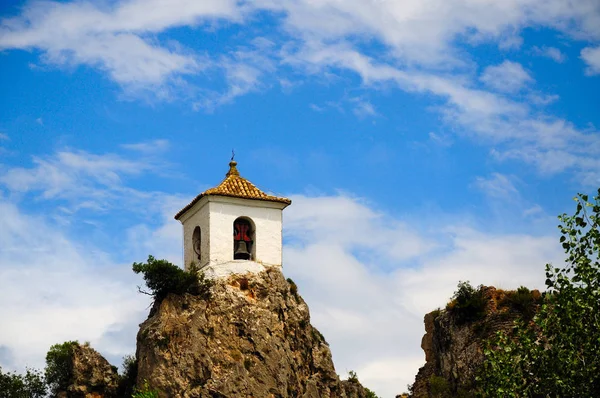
[[196, 216], [267, 232], [215, 216]]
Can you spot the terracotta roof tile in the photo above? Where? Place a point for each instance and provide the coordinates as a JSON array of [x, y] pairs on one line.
[[235, 186]]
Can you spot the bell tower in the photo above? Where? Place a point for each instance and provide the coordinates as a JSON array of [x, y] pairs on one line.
[[233, 228]]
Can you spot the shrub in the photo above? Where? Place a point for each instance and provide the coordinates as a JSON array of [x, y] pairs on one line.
[[129, 376], [468, 304], [370, 394], [163, 277], [145, 392], [293, 287], [522, 300], [439, 387], [59, 366], [352, 377]]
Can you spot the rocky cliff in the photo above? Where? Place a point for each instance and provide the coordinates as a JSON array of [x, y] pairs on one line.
[[453, 344], [251, 338]]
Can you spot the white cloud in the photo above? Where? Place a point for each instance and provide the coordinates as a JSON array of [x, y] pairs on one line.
[[4, 137], [507, 77], [591, 56], [550, 52]]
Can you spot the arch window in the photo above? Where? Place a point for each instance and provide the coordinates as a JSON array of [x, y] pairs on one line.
[[197, 243], [243, 239]]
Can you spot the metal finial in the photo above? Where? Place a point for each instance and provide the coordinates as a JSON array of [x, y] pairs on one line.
[[232, 166]]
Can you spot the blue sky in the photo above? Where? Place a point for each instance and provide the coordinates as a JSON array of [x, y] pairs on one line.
[[449, 134]]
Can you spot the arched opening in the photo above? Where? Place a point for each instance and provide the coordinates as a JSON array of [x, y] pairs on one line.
[[243, 239], [197, 243]]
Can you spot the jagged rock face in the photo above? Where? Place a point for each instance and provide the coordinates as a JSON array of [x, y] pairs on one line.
[[92, 375], [252, 338], [454, 350]]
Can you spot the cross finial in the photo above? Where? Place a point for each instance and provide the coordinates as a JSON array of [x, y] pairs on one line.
[[232, 166]]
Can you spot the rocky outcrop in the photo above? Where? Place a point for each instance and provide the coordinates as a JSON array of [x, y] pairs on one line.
[[454, 347], [251, 338], [91, 375]]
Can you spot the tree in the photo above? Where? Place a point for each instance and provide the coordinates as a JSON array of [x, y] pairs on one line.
[[29, 385], [163, 277], [59, 366], [558, 353]]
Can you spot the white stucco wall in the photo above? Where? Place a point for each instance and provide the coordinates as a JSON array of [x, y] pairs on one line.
[[196, 216], [215, 216]]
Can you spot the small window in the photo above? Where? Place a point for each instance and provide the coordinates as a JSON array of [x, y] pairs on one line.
[[197, 243], [243, 239]]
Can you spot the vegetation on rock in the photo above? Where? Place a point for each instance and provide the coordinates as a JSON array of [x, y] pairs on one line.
[[59, 366], [163, 277], [557, 354], [468, 304]]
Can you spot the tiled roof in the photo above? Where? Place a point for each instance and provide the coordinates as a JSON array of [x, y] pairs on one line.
[[235, 186]]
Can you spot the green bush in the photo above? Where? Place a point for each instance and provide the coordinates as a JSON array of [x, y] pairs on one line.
[[468, 304], [29, 385], [352, 377], [439, 387], [163, 277], [59, 366], [145, 392], [129, 376]]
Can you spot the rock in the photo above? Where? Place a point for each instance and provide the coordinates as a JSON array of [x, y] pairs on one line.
[[92, 376], [251, 338]]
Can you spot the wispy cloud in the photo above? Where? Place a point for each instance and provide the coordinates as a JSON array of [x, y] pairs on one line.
[[148, 147], [82, 179], [497, 186], [591, 56], [549, 52], [507, 77], [114, 38], [363, 108]]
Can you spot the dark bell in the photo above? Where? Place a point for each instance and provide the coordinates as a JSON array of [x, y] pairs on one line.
[[241, 252]]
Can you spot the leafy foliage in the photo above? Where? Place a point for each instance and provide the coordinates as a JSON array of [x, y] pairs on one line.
[[29, 385], [59, 366], [559, 354], [128, 378], [145, 392], [468, 304], [370, 394], [163, 277]]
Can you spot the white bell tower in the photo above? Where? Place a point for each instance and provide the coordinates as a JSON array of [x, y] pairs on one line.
[[233, 227]]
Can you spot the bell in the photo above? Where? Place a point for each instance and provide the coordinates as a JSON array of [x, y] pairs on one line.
[[241, 252]]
